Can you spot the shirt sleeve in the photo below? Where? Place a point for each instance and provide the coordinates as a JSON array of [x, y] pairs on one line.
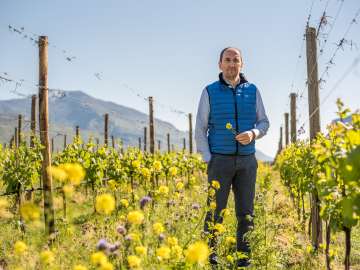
[[202, 126], [262, 122]]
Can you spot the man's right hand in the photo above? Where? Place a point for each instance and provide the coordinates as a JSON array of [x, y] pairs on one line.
[[207, 163]]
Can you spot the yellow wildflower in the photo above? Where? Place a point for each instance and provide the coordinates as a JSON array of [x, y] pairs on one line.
[[197, 252], [213, 204], [75, 172], [229, 258], [177, 194], [107, 266], [124, 202], [29, 210], [141, 250], [179, 185], [192, 179], [145, 172], [57, 173], [228, 126], [163, 190], [112, 184], [98, 258], [219, 227], [172, 241], [173, 171], [69, 230], [196, 188], [134, 237], [134, 261], [3, 203], [215, 184], [157, 165], [105, 203], [212, 192], [136, 164], [80, 267], [122, 217], [158, 228], [20, 247], [231, 239], [135, 217], [225, 212], [163, 253], [177, 250], [46, 257]]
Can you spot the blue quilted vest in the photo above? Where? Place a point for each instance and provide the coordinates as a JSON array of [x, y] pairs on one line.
[[236, 107]]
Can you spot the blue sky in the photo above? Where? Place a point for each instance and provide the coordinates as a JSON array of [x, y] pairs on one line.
[[170, 49]]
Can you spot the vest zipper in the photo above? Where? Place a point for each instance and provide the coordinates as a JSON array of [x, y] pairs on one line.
[[236, 120]]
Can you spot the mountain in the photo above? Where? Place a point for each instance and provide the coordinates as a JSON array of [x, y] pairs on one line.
[[262, 157], [68, 109]]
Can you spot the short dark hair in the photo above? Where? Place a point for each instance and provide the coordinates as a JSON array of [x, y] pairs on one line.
[[222, 53]]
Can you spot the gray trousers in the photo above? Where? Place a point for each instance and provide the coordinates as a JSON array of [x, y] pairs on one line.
[[240, 172]]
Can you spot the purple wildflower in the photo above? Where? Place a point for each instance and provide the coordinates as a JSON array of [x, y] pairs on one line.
[[121, 229], [144, 202], [195, 206]]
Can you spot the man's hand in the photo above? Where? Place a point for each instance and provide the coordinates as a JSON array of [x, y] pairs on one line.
[[207, 163], [245, 137]]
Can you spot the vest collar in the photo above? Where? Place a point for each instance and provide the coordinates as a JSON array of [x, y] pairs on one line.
[[242, 80]]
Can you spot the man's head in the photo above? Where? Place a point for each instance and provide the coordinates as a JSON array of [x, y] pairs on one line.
[[230, 63]]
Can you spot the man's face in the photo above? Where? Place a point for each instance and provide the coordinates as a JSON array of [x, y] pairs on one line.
[[231, 64]]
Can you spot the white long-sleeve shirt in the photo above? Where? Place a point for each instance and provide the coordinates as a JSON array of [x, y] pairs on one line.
[[202, 123]]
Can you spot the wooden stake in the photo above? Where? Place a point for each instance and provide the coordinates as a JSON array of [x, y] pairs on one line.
[[281, 139], [16, 137], [190, 134], [33, 118], [44, 136], [113, 141], [140, 144], [314, 115], [168, 142], [184, 145], [152, 128], [77, 131], [145, 139], [52, 145], [293, 116], [107, 130], [159, 145], [65, 141], [19, 129], [286, 129]]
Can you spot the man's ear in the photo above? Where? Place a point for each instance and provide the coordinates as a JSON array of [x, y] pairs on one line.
[[220, 67]]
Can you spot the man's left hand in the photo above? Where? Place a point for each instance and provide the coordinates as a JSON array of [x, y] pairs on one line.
[[245, 137]]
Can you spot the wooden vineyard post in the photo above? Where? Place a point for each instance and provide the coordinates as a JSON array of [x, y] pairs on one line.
[[33, 118], [314, 116], [190, 134], [293, 116], [172, 147], [286, 129], [107, 130], [168, 142], [65, 141], [152, 133], [44, 136], [106, 143], [281, 140], [19, 130], [113, 142], [97, 142], [52, 145], [145, 139], [140, 144], [159, 145], [184, 144], [122, 148]]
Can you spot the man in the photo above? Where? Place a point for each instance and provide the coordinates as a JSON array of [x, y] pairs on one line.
[[230, 152]]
